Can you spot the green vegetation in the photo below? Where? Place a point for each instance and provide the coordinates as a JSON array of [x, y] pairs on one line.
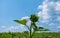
[[25, 34], [33, 18]]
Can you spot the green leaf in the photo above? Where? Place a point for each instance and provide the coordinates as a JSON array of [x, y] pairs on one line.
[[46, 29], [23, 22], [17, 21], [34, 18], [35, 29], [41, 28], [38, 29]]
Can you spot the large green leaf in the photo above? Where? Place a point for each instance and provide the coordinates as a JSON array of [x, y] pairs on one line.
[[24, 21], [17, 21]]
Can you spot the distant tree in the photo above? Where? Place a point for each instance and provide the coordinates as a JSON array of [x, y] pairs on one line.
[[33, 18]]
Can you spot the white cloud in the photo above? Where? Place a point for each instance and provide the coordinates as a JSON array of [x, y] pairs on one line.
[[49, 8], [14, 28], [58, 18], [40, 7], [57, 6], [44, 13], [39, 13], [26, 17], [58, 26], [52, 24]]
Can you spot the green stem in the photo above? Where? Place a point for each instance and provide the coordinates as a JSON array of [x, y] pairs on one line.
[[33, 33], [12, 35], [30, 31]]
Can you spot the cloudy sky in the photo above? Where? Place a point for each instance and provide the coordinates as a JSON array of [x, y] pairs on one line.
[[47, 10]]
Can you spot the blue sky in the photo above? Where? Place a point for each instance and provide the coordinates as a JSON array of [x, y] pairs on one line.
[[48, 11]]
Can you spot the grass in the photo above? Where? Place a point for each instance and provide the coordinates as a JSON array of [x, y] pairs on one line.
[[26, 35]]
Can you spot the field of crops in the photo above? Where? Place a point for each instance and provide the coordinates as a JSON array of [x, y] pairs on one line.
[[26, 35]]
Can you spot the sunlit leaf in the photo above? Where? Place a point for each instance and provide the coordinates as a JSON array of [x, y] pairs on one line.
[[17, 21], [24, 21]]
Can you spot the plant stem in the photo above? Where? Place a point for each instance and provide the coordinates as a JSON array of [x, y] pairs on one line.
[[33, 33], [12, 35], [30, 31]]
